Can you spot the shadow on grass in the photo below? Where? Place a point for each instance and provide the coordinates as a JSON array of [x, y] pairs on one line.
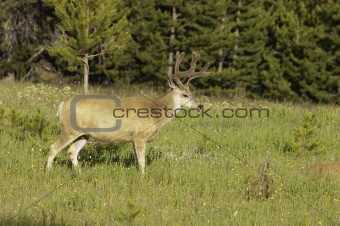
[[110, 154], [26, 221]]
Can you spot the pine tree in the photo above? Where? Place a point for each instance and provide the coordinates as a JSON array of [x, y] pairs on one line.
[[283, 27], [330, 43], [173, 30], [197, 26], [86, 24], [149, 27], [249, 54], [206, 30], [304, 62], [144, 59]]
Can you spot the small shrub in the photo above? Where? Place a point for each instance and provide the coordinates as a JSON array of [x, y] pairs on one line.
[[22, 127], [128, 214], [35, 124], [16, 121], [304, 136], [262, 186]]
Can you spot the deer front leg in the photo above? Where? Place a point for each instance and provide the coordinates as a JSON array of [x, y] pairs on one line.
[[139, 146]]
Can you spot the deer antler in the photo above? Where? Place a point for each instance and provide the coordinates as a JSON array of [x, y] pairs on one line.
[[189, 74]]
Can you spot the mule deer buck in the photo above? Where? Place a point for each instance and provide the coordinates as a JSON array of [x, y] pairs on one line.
[[137, 127]]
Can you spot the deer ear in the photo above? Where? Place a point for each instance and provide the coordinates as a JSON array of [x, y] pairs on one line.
[[172, 85]]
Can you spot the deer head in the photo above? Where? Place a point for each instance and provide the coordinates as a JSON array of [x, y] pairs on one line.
[[179, 81]]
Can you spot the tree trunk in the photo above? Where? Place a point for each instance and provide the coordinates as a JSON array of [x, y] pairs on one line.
[[86, 74], [236, 34], [220, 63], [172, 37], [86, 58], [220, 51]]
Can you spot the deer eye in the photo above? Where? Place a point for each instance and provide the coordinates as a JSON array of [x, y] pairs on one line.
[[185, 95]]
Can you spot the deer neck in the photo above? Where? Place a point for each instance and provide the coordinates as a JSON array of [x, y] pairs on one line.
[[169, 101]]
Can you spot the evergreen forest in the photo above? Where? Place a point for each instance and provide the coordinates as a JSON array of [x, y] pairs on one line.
[[278, 50]]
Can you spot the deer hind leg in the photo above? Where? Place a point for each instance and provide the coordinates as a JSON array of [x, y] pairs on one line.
[[74, 150], [139, 146], [61, 143]]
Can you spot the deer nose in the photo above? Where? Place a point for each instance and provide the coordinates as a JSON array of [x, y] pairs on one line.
[[200, 106]]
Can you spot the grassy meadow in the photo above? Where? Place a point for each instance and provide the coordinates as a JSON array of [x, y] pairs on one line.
[[200, 171]]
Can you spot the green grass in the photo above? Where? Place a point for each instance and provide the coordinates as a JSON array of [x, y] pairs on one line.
[[200, 171]]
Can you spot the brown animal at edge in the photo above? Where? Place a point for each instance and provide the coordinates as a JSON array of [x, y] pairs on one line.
[[323, 168]]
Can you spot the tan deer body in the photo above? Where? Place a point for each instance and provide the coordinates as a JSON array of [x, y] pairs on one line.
[[141, 118], [324, 168]]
